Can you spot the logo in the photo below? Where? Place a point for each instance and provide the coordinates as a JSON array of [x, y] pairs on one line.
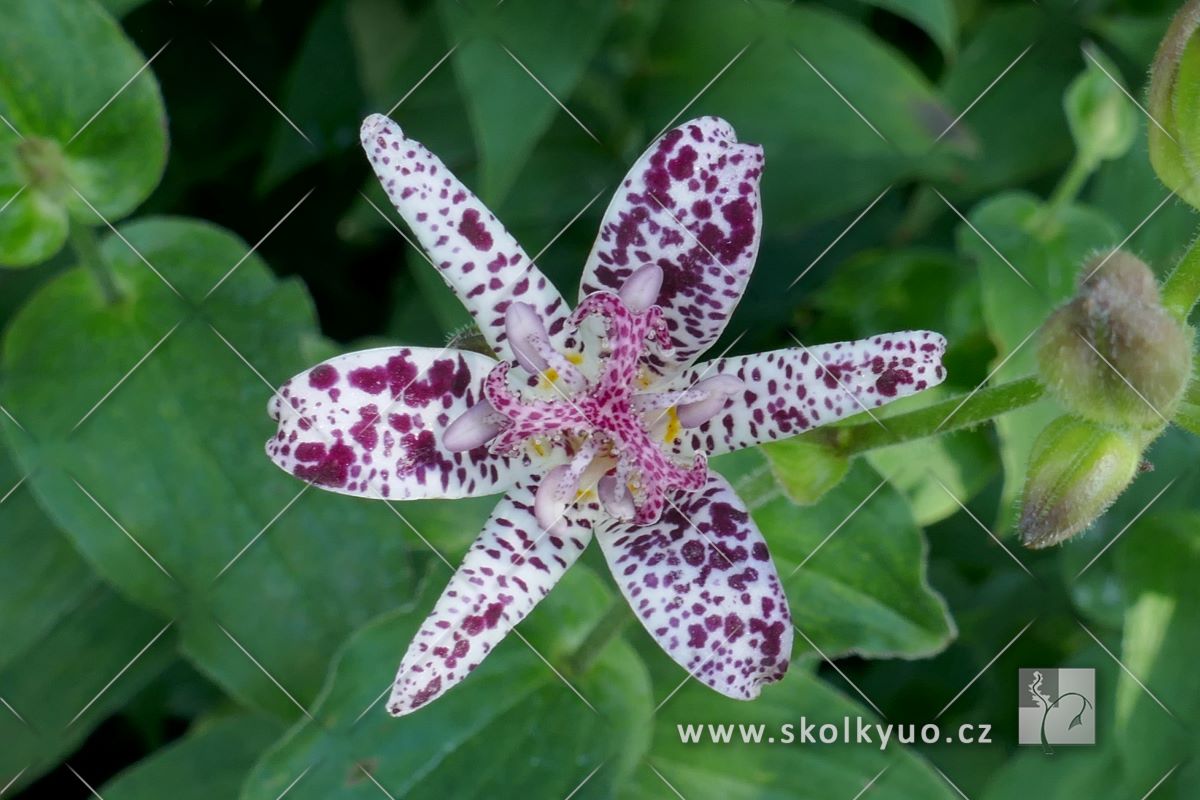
[[1056, 707]]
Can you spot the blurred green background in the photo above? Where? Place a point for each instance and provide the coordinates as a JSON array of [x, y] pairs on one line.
[[176, 620]]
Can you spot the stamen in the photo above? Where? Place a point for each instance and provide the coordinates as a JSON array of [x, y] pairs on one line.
[[558, 488], [641, 289]]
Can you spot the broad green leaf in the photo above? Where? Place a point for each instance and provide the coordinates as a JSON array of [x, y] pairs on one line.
[[814, 139], [211, 761], [938, 473], [119, 8], [72, 124], [1016, 121], [515, 63], [861, 589], [1159, 559], [513, 728], [1033, 268], [805, 470], [59, 684], [784, 768], [322, 96], [938, 18], [175, 455]]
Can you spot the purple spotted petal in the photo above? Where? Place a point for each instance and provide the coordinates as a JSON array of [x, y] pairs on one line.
[[480, 260], [702, 583], [789, 391], [371, 424], [690, 205], [508, 570]]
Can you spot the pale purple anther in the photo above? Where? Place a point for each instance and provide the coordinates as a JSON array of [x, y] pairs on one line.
[[595, 421]]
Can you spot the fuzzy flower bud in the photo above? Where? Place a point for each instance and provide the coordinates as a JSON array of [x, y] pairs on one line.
[[1101, 119], [1112, 354], [1076, 471], [1174, 105]]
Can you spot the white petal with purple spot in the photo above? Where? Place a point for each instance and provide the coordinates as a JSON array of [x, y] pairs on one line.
[[789, 391], [371, 424], [702, 583], [690, 204], [508, 570], [475, 254]]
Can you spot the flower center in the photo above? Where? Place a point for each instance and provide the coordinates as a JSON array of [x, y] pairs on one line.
[[619, 435]]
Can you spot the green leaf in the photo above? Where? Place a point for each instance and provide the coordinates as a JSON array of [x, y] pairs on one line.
[[60, 683], [211, 761], [937, 474], [513, 728], [509, 110], [861, 590], [805, 470], [57, 618], [776, 99], [1037, 257], [1017, 124], [174, 454], [779, 770], [322, 97], [73, 124], [938, 18], [1158, 560]]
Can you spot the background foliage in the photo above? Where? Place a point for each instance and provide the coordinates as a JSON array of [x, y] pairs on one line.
[[179, 616]]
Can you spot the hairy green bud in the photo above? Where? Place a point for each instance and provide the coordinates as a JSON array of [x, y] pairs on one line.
[[1076, 471], [1102, 121], [1113, 354], [1174, 106]]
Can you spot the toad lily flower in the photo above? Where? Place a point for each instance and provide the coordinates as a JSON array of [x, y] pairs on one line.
[[596, 421]]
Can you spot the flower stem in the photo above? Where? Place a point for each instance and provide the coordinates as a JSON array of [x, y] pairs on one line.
[[607, 628], [1068, 187], [943, 417], [87, 251], [1181, 290]]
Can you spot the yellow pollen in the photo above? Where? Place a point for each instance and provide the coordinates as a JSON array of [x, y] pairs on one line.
[[537, 446], [673, 426], [574, 358], [548, 378], [584, 494]]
